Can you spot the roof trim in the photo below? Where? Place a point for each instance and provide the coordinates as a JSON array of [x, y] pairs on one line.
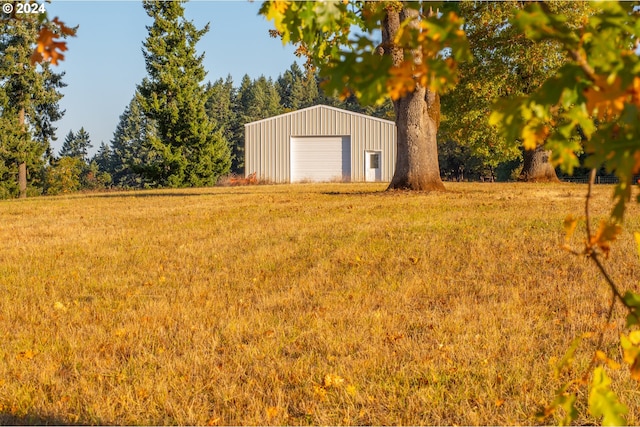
[[328, 107]]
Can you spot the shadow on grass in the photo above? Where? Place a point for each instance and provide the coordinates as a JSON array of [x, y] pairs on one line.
[[34, 420], [155, 193], [385, 192], [352, 193]]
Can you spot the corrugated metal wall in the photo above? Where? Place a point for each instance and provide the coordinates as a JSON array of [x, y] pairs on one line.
[[267, 142]]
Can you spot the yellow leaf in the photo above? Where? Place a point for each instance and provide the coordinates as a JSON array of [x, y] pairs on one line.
[[612, 364], [534, 135], [332, 380], [634, 337], [272, 412], [636, 235], [351, 390], [59, 306], [401, 81], [320, 392], [27, 355]]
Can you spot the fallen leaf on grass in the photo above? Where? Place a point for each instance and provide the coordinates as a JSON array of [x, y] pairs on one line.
[[331, 380], [26, 355], [272, 412]]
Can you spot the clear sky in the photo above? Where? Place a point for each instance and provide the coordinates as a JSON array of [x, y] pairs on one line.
[[104, 62]]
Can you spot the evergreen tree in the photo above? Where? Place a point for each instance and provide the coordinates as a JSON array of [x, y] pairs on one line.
[[220, 105], [256, 100], [103, 158], [190, 151], [133, 160], [77, 145], [67, 145], [297, 89], [28, 106]]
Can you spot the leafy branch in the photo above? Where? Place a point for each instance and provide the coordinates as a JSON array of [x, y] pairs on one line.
[[602, 401]]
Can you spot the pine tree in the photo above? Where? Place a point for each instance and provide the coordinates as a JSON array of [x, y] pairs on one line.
[[133, 160], [28, 106], [103, 158], [297, 89], [77, 145], [190, 151], [67, 145], [220, 105]]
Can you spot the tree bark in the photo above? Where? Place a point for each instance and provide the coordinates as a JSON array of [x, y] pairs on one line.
[[417, 119], [22, 167], [536, 167]]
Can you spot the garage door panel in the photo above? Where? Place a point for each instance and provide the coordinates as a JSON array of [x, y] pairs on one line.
[[320, 158]]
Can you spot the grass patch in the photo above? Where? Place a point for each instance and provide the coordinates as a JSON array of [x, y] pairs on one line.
[[301, 304]]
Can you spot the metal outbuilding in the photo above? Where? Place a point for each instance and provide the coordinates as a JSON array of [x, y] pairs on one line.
[[320, 143]]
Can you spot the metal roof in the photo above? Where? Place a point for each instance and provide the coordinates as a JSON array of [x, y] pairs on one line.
[[327, 107]]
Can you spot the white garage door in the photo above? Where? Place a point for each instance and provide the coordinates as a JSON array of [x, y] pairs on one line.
[[320, 158]]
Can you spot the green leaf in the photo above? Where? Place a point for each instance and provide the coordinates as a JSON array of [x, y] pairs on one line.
[[603, 402], [632, 301], [567, 359]]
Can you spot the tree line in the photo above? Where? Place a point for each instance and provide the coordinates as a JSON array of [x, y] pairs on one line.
[[179, 131]]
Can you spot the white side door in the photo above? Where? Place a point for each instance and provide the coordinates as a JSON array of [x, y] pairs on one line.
[[373, 166]]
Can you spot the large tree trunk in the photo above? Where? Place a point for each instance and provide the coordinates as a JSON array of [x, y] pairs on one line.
[[22, 167], [417, 120], [536, 167]]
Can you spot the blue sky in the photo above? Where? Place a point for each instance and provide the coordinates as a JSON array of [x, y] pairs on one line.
[[104, 62]]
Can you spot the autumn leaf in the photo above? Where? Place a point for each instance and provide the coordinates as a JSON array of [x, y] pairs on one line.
[[272, 412], [534, 135], [607, 233], [319, 392], [351, 390], [631, 341], [604, 98], [276, 12], [401, 80], [63, 28], [631, 353], [602, 356], [48, 49], [332, 380], [26, 355]]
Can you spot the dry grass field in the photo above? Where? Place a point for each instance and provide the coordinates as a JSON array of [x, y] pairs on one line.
[[304, 304]]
